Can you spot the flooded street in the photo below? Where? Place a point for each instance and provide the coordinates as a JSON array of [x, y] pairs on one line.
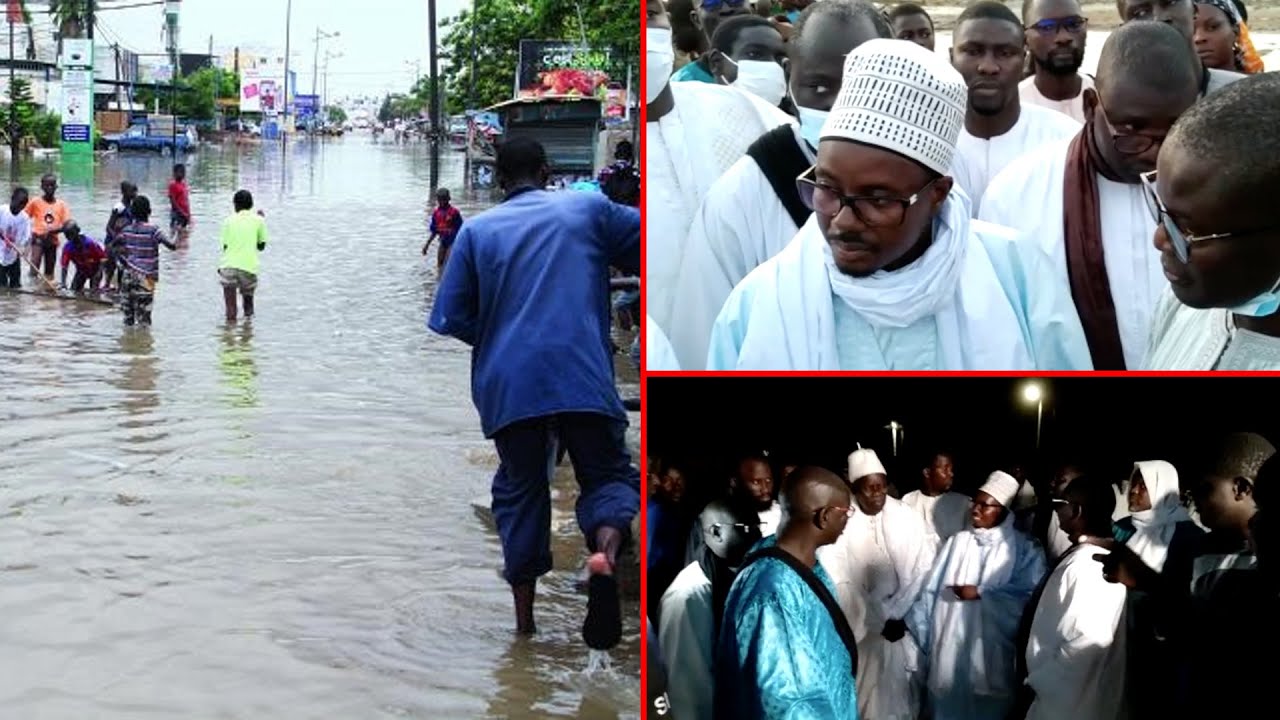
[[270, 520]]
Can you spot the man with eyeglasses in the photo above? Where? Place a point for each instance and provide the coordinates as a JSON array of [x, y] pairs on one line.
[[1082, 201], [753, 485], [987, 49], [785, 650], [694, 133], [1218, 239], [1180, 15], [693, 606], [730, 237], [890, 272], [878, 565], [1056, 32], [977, 590]]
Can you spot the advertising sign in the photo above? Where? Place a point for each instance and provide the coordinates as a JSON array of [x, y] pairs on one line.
[[262, 90], [77, 96], [556, 67], [305, 106]]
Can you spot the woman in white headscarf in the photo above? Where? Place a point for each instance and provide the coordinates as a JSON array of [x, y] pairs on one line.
[[1160, 531], [1158, 526]]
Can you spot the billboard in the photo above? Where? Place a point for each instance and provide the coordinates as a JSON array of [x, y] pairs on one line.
[[556, 67], [262, 90], [77, 96], [306, 105]]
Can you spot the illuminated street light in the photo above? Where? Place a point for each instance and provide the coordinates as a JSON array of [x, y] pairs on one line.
[[1032, 393]]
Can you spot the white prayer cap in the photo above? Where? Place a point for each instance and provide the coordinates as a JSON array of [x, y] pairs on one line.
[[864, 462], [1001, 486], [902, 97]]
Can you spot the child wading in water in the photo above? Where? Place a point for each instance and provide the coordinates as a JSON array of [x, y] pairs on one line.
[[446, 221], [244, 235], [180, 206], [138, 251]]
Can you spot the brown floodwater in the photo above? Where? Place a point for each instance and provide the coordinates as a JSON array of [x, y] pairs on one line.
[[271, 519]]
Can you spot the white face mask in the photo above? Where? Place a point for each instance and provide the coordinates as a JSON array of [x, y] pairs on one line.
[[761, 78], [1264, 305], [811, 122], [659, 59]]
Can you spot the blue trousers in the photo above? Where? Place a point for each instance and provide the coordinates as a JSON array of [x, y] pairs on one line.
[[527, 450]]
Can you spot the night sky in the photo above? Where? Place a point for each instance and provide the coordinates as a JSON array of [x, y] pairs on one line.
[[703, 423]]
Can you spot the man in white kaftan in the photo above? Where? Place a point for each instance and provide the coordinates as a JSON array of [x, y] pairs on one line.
[[744, 219], [1119, 221], [878, 566], [966, 619], [701, 131], [687, 627], [658, 354], [980, 160], [1076, 651], [974, 299], [944, 512]]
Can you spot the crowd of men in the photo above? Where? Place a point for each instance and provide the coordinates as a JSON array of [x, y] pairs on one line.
[[1066, 593], [826, 191]]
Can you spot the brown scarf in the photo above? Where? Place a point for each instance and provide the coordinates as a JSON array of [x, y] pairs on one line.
[[1082, 231]]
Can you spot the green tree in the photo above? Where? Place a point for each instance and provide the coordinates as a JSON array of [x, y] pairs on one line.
[[23, 106], [31, 31], [71, 17], [336, 115], [195, 96]]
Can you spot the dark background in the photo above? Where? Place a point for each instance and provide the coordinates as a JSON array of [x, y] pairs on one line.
[[703, 424]]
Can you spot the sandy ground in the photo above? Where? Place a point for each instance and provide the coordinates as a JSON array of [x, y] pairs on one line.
[[1263, 16]]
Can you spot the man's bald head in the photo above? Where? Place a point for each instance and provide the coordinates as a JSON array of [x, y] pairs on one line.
[[1148, 55], [811, 488], [1091, 503], [1235, 129]]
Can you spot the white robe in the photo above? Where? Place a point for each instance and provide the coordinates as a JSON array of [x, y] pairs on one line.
[[978, 161], [972, 644], [782, 315], [1186, 338], [685, 151], [878, 565], [1028, 196], [1073, 108], [943, 515], [728, 239], [1076, 651], [1154, 528], [658, 354], [685, 629]]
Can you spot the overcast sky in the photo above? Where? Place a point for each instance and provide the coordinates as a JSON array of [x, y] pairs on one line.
[[380, 39]]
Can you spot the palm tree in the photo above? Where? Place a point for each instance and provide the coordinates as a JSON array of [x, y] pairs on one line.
[[71, 17], [31, 31]]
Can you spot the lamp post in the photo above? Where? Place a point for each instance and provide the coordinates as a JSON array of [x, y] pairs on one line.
[[288, 28], [315, 63], [324, 97], [895, 432], [1032, 393]]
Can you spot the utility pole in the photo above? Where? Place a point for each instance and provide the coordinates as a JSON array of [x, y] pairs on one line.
[[13, 106], [315, 63], [288, 22], [435, 78], [471, 76]]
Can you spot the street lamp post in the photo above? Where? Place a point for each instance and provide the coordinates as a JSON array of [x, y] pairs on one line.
[[288, 27], [315, 64], [1032, 393], [895, 431]]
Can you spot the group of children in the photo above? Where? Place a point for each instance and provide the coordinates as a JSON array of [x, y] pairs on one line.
[[128, 259]]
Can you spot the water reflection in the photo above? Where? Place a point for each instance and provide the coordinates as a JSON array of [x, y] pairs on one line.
[[239, 371], [136, 377]]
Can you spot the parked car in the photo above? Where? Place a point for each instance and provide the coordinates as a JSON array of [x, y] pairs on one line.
[[140, 137]]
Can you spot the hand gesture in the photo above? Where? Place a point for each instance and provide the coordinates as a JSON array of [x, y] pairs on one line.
[[1121, 565]]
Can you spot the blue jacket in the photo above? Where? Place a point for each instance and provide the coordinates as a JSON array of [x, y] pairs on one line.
[[527, 287]]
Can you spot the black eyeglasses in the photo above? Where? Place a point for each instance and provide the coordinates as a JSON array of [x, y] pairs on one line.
[[988, 506], [1128, 144], [744, 528], [1181, 241], [874, 211], [1050, 26]]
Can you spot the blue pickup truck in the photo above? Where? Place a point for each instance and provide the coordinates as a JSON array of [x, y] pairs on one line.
[[138, 137]]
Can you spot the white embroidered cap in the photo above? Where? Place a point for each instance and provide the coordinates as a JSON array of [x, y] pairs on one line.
[[864, 462], [1001, 486], [902, 97]]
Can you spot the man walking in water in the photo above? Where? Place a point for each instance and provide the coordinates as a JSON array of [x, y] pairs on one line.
[[521, 277]]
